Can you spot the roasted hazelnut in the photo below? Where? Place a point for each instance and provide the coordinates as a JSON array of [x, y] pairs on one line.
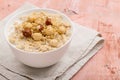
[[48, 21], [40, 27], [27, 32]]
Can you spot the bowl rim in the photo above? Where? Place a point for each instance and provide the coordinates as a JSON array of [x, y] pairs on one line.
[[41, 9]]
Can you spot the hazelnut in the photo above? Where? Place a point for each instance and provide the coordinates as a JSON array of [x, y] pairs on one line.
[[37, 36], [27, 32], [48, 21], [49, 31], [31, 18], [28, 25], [40, 28], [61, 30], [53, 43], [38, 21]]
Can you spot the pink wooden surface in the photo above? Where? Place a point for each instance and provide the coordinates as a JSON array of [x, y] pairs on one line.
[[101, 15]]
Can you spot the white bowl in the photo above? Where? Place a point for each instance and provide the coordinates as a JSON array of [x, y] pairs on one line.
[[37, 59]]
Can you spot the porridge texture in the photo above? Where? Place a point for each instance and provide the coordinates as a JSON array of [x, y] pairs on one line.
[[40, 32]]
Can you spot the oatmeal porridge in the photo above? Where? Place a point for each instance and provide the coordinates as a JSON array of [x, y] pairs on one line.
[[40, 32]]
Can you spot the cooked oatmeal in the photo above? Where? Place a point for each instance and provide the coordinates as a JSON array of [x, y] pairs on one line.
[[40, 32]]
